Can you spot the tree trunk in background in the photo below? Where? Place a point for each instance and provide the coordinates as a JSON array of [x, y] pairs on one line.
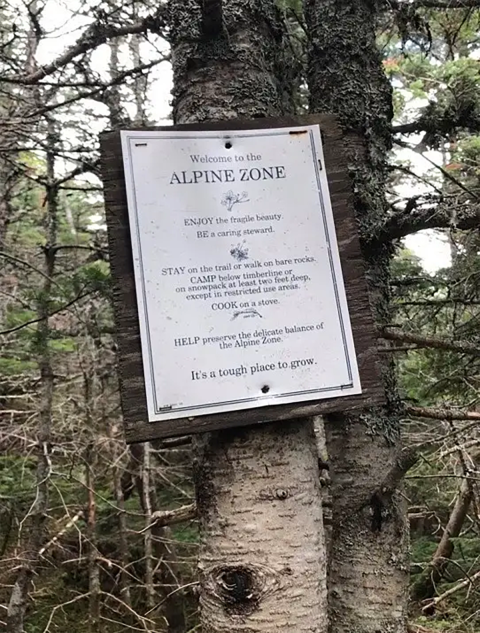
[[124, 575], [147, 537], [262, 553], [94, 588], [425, 585], [368, 567], [7, 181], [37, 515], [172, 599]]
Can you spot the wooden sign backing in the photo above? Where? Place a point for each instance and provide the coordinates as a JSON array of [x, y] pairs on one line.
[[131, 375]]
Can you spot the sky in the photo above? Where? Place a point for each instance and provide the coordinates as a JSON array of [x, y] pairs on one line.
[[63, 24]]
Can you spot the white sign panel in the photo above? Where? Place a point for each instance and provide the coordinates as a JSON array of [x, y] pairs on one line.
[[239, 287]]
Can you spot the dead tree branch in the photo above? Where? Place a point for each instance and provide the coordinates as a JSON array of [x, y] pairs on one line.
[[442, 414], [96, 34], [435, 342]]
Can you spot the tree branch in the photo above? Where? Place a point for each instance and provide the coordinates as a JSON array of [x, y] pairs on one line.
[[408, 458], [449, 592], [442, 414], [433, 4], [101, 88], [446, 4], [442, 119], [161, 518], [381, 498], [430, 212], [465, 347], [96, 34], [47, 316]]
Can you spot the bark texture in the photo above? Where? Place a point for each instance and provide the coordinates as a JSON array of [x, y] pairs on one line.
[[368, 567], [241, 72], [262, 556]]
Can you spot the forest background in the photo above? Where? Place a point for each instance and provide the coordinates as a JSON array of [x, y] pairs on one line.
[[112, 529]]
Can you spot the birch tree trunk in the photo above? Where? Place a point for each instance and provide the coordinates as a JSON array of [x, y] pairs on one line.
[[262, 554], [368, 566]]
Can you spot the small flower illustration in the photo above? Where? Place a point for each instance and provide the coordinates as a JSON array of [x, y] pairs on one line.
[[230, 199], [239, 252]]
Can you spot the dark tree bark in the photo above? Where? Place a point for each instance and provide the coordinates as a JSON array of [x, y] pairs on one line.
[[368, 566]]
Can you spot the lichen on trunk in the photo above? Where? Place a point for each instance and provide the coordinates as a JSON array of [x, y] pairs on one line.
[[368, 566]]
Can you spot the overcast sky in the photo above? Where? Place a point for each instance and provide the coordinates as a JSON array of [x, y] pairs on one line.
[[63, 24]]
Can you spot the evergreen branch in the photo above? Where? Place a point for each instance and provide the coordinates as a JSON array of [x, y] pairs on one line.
[[441, 120], [434, 342]]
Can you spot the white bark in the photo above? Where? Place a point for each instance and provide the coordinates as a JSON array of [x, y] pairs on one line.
[[262, 554]]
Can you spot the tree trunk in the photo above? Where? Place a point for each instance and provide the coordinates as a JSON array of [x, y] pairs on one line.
[[140, 82], [173, 600], [17, 606], [262, 553], [368, 567], [94, 588], [147, 537], [124, 575]]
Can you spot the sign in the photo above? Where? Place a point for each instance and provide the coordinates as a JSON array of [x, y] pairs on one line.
[[238, 281]]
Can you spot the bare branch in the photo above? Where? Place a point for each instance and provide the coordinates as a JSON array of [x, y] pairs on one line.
[[16, 328], [442, 414], [435, 342], [161, 518], [408, 458], [452, 590], [96, 34], [433, 4], [446, 4]]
